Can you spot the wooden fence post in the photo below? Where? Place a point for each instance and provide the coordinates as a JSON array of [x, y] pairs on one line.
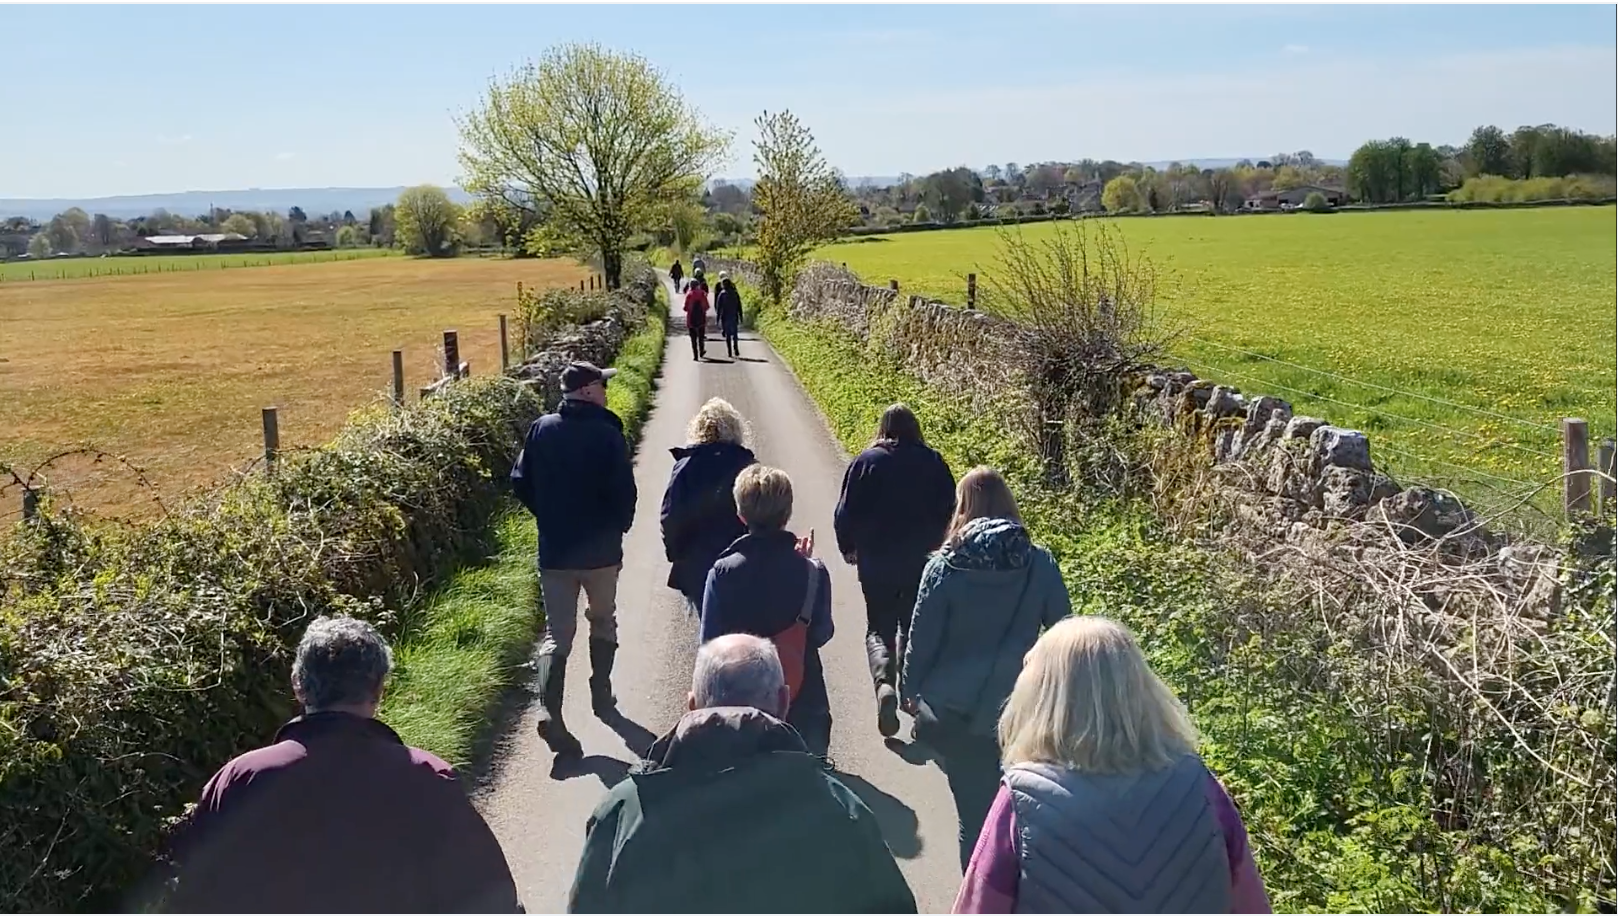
[[1575, 465], [505, 356], [581, 285], [398, 378], [893, 285], [1607, 465], [452, 352], [30, 503], [272, 440], [971, 291]]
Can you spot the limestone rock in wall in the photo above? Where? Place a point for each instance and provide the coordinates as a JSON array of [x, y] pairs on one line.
[[1301, 428], [1348, 493], [1224, 403], [1423, 513], [1262, 414], [1336, 446]]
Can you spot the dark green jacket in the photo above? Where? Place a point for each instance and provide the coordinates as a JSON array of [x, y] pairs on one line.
[[731, 814]]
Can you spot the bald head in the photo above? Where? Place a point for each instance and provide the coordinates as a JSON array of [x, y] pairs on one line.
[[739, 670]]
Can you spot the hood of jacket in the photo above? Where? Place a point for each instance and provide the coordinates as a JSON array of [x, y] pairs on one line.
[[713, 739], [733, 451], [990, 545]]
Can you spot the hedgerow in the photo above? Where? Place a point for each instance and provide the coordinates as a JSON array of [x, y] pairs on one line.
[[135, 660], [1369, 776]]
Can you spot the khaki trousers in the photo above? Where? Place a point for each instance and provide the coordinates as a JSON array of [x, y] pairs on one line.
[[559, 591]]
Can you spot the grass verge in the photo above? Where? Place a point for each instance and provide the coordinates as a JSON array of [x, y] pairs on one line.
[[1338, 823], [466, 642]]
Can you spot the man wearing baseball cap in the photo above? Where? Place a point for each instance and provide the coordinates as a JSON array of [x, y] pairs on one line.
[[575, 476]]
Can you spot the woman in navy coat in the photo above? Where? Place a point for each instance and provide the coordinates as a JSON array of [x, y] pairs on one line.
[[699, 509]]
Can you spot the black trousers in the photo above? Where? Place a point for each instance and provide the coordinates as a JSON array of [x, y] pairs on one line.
[[890, 598], [971, 762], [810, 713], [699, 340]]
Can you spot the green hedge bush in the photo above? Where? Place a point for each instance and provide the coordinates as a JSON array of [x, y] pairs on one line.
[[134, 661]]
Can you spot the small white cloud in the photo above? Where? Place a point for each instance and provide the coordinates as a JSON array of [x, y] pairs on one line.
[[1295, 50], [171, 141], [285, 156]]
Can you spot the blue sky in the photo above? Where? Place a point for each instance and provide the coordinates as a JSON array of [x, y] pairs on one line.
[[124, 100]]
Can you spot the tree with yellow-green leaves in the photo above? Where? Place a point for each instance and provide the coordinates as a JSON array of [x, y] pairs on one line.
[[801, 200], [428, 222], [597, 140], [1122, 196]]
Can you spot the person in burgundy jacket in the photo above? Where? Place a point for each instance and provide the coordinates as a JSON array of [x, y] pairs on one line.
[[338, 814], [696, 319]]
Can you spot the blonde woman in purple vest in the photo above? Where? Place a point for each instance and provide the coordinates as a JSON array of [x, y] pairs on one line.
[[1105, 806]]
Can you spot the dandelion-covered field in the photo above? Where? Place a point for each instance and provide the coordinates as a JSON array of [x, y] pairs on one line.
[[1457, 339]]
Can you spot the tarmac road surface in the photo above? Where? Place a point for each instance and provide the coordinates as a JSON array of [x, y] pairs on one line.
[[539, 814]]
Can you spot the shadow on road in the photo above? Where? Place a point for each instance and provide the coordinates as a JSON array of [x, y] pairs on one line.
[[752, 360], [898, 821], [608, 769], [915, 753], [636, 737]]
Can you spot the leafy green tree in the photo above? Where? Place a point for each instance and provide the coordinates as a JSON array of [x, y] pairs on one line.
[[601, 138], [1223, 189], [1423, 170], [62, 235], [800, 198], [296, 215], [1375, 172], [104, 232], [239, 223], [948, 193], [428, 221], [1488, 152], [1122, 196], [921, 214], [40, 245], [1316, 202], [348, 236], [1287, 178]]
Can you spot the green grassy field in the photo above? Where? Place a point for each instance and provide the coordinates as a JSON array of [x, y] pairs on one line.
[[1459, 340], [114, 266]]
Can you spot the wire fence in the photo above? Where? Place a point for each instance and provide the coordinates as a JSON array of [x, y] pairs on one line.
[[131, 265]]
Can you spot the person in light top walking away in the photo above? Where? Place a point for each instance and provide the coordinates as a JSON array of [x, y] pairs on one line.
[[575, 476], [676, 273], [696, 318], [984, 598], [731, 815], [767, 583], [338, 815], [896, 503], [698, 265], [699, 505], [1105, 805], [727, 306]]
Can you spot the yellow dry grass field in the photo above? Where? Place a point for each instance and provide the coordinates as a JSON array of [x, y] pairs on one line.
[[171, 370]]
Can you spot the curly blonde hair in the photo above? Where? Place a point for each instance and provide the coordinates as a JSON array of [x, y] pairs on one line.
[[717, 421]]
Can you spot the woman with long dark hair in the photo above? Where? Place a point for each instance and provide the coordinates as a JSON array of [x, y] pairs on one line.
[[896, 502]]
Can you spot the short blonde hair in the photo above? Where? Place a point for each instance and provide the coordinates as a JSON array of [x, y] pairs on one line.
[[981, 494], [764, 498], [1088, 700], [717, 421]]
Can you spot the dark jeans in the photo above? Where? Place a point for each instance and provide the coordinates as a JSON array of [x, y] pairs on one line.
[[972, 765], [890, 598], [699, 340]]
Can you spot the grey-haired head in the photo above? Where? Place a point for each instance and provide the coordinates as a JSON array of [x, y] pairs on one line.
[[739, 671], [341, 664]]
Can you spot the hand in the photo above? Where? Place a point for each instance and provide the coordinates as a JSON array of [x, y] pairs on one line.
[[806, 546]]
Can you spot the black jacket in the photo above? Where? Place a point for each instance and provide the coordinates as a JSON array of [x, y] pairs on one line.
[[575, 476], [729, 815], [699, 511], [338, 815], [895, 506], [727, 305]]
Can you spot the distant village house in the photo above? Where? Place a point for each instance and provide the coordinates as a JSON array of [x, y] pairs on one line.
[[1294, 197]]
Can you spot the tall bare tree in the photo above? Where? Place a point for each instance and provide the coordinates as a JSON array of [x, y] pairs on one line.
[[600, 140]]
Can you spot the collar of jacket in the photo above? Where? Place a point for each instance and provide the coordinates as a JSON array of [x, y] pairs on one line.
[[574, 409], [322, 724], [713, 739], [712, 449], [763, 542]]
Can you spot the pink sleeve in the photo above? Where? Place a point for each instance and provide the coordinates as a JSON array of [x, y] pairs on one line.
[[1247, 896], [990, 885]]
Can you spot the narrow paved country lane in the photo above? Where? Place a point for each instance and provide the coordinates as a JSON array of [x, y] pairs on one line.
[[539, 814]]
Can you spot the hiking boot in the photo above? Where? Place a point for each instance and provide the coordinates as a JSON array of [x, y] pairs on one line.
[[552, 671], [601, 655], [887, 710]]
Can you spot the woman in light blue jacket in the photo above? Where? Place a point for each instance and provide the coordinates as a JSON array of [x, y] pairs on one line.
[[984, 598]]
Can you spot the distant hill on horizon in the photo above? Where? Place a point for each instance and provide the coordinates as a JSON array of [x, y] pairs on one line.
[[359, 200], [194, 203]]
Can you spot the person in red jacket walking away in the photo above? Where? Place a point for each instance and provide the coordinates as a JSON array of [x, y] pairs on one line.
[[696, 320]]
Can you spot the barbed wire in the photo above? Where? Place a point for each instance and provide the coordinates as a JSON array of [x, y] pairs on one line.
[[1370, 385], [1387, 414]]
